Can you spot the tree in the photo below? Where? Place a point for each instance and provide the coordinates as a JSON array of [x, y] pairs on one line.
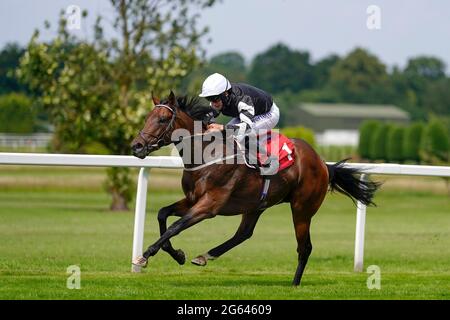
[[280, 68], [360, 78], [322, 70], [420, 72], [231, 64], [9, 60], [404, 96], [425, 67], [286, 101], [100, 91], [326, 95], [437, 97]]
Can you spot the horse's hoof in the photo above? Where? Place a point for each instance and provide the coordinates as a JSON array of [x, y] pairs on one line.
[[200, 261], [180, 257], [140, 262]]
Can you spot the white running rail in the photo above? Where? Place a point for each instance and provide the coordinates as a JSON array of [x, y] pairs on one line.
[[42, 159]]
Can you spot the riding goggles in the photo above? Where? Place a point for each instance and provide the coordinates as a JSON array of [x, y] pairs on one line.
[[213, 98]]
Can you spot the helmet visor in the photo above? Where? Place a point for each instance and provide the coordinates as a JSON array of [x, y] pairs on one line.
[[213, 98]]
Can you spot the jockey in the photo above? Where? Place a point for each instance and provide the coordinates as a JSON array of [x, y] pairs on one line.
[[252, 109]]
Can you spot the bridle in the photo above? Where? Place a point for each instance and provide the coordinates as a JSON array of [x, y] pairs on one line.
[[160, 139]]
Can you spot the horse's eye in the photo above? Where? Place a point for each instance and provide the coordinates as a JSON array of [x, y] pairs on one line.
[[163, 120]]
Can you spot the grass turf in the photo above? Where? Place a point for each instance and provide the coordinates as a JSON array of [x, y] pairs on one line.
[[43, 232]]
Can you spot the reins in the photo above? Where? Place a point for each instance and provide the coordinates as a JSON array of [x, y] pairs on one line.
[[160, 139]]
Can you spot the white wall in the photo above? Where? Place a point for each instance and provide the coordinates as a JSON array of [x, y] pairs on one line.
[[338, 138]]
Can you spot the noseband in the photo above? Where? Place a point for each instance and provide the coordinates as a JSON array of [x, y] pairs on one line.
[[160, 139]]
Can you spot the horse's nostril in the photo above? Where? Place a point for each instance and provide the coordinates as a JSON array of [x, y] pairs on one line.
[[137, 147]]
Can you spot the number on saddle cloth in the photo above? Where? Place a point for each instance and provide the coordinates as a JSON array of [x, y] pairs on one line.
[[279, 148]]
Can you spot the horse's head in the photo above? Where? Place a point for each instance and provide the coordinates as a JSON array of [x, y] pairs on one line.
[[167, 116], [158, 127]]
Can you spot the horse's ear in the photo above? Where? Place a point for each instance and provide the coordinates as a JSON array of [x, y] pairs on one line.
[[172, 99], [155, 99]]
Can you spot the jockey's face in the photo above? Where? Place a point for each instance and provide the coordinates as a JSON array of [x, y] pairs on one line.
[[216, 101], [218, 105]]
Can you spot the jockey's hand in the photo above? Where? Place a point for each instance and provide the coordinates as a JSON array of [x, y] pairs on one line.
[[214, 127]]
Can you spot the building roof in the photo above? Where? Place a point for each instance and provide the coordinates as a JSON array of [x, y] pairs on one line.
[[354, 111]]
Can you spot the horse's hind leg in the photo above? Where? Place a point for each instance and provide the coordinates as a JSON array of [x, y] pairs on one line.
[[244, 232], [304, 204], [178, 208], [304, 246], [306, 200]]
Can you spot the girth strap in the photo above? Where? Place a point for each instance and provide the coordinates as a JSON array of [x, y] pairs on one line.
[[265, 190]]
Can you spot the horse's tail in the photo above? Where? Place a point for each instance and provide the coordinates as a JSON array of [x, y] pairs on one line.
[[346, 180]]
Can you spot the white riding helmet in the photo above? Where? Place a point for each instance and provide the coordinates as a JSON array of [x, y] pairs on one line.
[[214, 85]]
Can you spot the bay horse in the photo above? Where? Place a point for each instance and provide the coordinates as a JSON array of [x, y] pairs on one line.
[[231, 189]]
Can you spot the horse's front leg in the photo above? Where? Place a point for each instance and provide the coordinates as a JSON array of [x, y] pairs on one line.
[[178, 208], [244, 232], [205, 208]]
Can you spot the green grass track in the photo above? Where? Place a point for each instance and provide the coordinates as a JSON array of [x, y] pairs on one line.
[[44, 230]]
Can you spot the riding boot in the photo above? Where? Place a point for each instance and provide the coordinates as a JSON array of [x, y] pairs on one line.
[[251, 149], [267, 164]]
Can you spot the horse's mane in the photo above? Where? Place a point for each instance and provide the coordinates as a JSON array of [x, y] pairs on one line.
[[193, 107]]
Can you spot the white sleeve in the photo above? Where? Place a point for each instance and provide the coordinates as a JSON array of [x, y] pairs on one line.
[[246, 111]]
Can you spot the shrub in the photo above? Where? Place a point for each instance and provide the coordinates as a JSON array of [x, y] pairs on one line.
[[394, 144], [16, 114], [366, 132], [378, 145], [300, 133], [411, 142], [435, 144]]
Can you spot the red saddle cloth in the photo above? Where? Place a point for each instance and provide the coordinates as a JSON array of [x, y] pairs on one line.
[[279, 146]]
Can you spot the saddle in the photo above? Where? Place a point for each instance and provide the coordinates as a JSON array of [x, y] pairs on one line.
[[274, 153]]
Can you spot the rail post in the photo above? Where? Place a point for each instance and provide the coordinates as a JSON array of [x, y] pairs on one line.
[[359, 234], [139, 216]]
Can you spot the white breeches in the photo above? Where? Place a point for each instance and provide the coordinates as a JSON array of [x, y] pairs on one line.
[[265, 121]]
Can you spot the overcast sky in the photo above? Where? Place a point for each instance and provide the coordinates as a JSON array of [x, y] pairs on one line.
[[408, 28]]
